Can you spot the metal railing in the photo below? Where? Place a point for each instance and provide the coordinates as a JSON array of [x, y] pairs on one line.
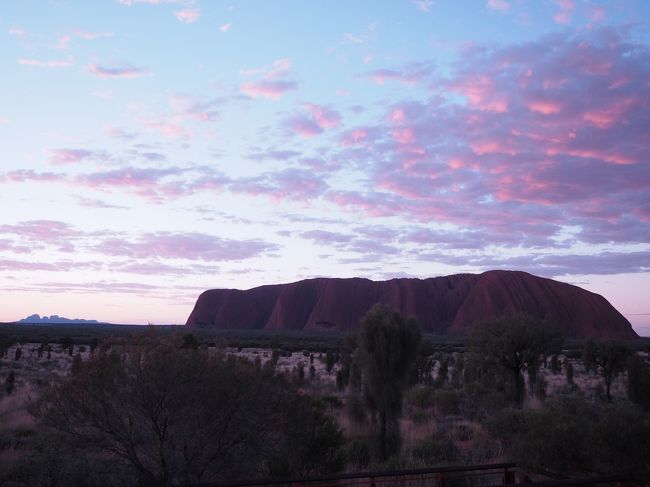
[[429, 477]]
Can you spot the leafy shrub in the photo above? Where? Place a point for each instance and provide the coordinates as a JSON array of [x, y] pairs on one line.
[[638, 381], [167, 414], [447, 402], [463, 432], [359, 453], [435, 450], [421, 397], [571, 434]]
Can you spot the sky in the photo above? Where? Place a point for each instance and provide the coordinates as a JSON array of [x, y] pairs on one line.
[[153, 149]]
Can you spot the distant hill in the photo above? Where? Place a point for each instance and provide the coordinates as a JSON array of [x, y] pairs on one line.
[[55, 320], [445, 305]]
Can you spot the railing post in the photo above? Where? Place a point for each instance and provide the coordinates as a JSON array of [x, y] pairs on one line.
[[441, 479], [508, 476], [372, 481]]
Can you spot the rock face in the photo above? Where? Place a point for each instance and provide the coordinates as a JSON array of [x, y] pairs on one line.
[[445, 305]]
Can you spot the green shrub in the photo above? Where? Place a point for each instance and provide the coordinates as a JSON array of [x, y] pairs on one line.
[[359, 453], [436, 450], [463, 432], [421, 397]]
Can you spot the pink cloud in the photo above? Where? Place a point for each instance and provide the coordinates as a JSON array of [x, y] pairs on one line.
[[354, 137], [325, 117], [168, 128], [115, 72], [279, 68], [292, 184], [60, 63], [544, 107], [304, 126], [150, 2], [410, 74], [597, 14], [74, 156], [272, 82], [95, 203], [89, 36], [423, 5], [318, 119], [567, 7], [38, 234], [404, 136], [154, 184], [550, 127], [273, 90], [187, 107], [225, 27], [480, 93], [17, 32], [63, 42], [16, 265], [499, 5], [188, 15], [28, 175], [190, 246]]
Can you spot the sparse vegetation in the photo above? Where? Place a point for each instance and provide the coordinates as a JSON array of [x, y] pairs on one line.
[[445, 405]]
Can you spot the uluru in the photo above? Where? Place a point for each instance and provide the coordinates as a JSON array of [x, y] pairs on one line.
[[444, 305]]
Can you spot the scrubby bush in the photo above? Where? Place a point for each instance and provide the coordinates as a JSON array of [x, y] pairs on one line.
[[571, 434], [638, 381], [165, 414], [436, 450], [359, 452], [10, 382]]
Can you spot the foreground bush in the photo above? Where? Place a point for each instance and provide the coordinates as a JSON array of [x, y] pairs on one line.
[[573, 435], [166, 415]]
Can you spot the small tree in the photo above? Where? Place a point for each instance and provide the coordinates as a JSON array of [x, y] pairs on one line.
[[387, 348], [5, 343], [638, 381], [556, 366], [568, 372], [10, 382], [607, 359], [76, 364], [189, 341], [513, 345], [330, 360]]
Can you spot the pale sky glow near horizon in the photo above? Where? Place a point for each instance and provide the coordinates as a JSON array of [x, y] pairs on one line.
[[153, 149]]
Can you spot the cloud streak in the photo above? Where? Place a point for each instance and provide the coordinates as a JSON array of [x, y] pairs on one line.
[[114, 72]]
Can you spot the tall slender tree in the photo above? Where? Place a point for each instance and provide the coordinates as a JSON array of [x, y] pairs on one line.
[[387, 350]]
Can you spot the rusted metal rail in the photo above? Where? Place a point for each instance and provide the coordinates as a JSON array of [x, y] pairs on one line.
[[489, 474], [492, 475]]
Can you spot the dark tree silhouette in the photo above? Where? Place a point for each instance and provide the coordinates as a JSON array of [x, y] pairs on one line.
[[638, 381], [607, 359], [172, 415], [388, 344], [10, 382], [515, 344]]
